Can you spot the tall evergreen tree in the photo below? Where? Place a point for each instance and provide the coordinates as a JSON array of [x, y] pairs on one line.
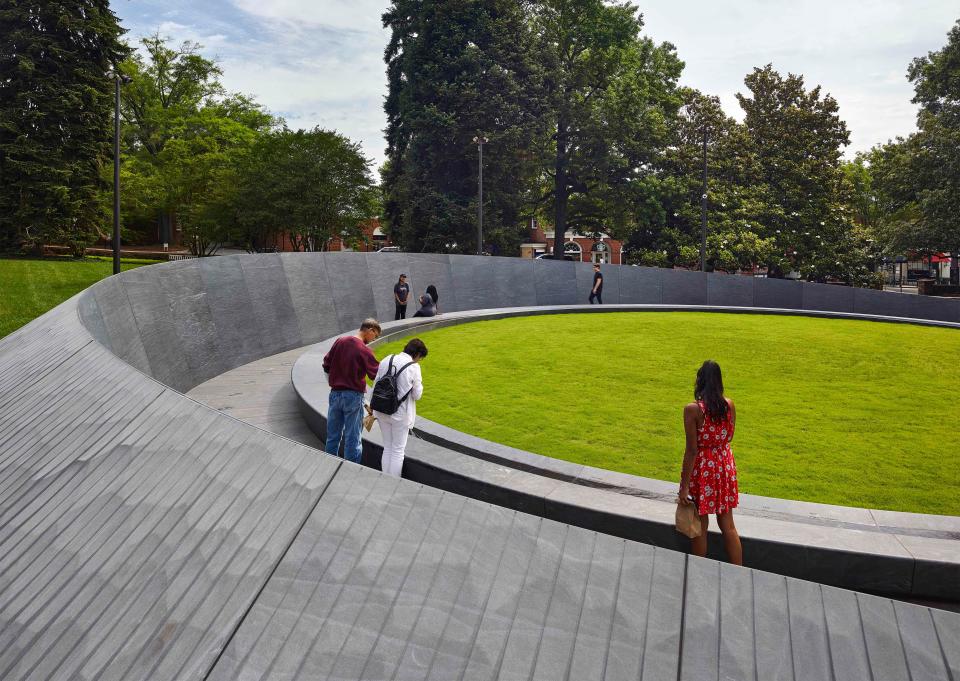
[[459, 70], [55, 118]]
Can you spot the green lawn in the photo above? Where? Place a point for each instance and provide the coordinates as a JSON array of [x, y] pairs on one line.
[[30, 287], [836, 411]]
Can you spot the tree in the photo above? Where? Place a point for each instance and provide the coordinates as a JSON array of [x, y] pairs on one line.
[[735, 198], [314, 185], [55, 119], [611, 96], [935, 158], [457, 71], [797, 137], [182, 134]]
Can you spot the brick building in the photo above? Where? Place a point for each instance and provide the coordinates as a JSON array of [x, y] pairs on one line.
[[578, 246]]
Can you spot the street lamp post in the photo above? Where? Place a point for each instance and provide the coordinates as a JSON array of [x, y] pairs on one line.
[[703, 208], [118, 78], [480, 141]]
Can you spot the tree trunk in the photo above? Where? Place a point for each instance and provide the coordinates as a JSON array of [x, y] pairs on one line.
[[560, 190]]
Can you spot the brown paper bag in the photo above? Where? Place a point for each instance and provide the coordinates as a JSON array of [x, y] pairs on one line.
[[369, 418], [688, 522]]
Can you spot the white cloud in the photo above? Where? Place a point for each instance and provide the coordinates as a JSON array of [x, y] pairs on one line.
[[319, 62], [347, 15]]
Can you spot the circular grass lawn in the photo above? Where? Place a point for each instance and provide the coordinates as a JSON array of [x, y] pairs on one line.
[[844, 412]]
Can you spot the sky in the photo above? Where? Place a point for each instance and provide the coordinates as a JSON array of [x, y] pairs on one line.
[[320, 62]]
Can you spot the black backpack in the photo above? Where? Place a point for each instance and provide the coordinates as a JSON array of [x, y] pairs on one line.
[[385, 398]]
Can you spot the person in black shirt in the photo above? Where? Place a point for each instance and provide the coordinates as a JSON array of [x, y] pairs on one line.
[[401, 291], [597, 290]]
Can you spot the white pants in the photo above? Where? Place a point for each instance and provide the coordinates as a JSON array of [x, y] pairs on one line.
[[394, 444]]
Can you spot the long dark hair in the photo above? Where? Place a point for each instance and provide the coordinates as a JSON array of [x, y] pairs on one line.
[[709, 390], [432, 292]]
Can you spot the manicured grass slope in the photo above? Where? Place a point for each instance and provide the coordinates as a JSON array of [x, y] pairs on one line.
[[842, 412], [28, 288]]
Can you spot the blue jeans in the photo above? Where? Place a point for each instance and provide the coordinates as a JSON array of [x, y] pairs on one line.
[[345, 419]]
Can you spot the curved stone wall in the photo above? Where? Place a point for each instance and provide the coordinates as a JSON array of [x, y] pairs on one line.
[[185, 322], [145, 536]]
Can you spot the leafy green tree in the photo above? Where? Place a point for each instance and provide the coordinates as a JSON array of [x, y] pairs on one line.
[[314, 185], [55, 119], [798, 139], [459, 70], [735, 198], [611, 96], [935, 157], [183, 134]]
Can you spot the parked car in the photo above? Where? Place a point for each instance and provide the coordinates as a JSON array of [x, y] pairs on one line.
[[547, 256], [389, 249]]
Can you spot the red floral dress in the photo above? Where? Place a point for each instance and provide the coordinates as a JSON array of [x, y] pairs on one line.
[[713, 481]]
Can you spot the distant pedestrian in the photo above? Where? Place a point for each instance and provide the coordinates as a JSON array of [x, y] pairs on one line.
[[401, 291], [395, 427], [427, 307], [432, 292], [346, 364], [709, 475], [597, 290]]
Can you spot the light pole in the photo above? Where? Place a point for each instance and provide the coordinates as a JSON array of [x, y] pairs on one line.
[[118, 78], [480, 141], [703, 208]]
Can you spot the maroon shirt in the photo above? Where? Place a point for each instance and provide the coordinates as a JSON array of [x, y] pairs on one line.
[[348, 361]]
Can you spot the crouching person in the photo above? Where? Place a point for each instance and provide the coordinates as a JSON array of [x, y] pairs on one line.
[[398, 386]]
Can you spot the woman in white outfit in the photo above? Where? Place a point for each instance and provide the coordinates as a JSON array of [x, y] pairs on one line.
[[396, 427]]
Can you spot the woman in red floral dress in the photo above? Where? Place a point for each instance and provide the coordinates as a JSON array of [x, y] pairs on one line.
[[709, 475]]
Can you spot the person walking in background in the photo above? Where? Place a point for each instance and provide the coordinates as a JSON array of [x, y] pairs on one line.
[[597, 290], [395, 427], [432, 292], [401, 291], [346, 364], [709, 475], [427, 307]]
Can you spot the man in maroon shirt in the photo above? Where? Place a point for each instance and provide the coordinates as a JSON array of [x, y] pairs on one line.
[[346, 364]]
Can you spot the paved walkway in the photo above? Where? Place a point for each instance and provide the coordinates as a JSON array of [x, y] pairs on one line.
[[261, 394]]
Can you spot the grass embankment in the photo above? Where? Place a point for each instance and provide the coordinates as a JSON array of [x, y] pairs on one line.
[[30, 287], [842, 412]]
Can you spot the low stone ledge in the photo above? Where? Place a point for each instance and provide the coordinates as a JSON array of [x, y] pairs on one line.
[[886, 552]]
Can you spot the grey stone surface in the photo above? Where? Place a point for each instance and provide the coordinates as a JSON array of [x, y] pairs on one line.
[[513, 281], [310, 295], [350, 289], [682, 287], [640, 285], [384, 270], [143, 535], [475, 286], [555, 283], [157, 326], [277, 323], [828, 297], [730, 290], [885, 303], [123, 336], [929, 307], [198, 340], [232, 308], [778, 293]]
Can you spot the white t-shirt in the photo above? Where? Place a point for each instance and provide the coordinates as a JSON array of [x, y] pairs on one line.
[[409, 379]]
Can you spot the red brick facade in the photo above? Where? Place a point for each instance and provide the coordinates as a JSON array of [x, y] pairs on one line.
[[577, 246]]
